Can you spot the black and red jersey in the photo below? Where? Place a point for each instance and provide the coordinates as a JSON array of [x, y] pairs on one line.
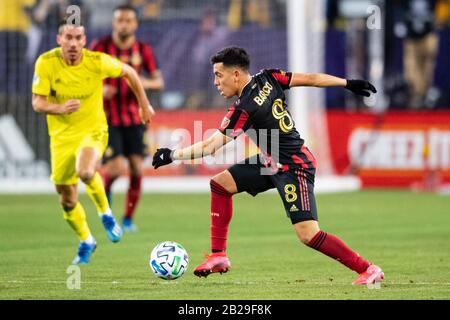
[[122, 109], [261, 112]]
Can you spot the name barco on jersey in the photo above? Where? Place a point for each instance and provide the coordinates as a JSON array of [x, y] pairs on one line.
[[263, 94]]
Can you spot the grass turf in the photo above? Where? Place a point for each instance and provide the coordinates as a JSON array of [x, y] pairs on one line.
[[407, 234]]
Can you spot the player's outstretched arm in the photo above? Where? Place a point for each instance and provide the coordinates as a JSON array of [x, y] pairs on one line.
[[200, 149], [146, 111], [41, 104], [322, 80]]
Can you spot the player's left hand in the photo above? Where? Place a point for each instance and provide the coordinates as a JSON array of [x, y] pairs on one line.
[[162, 157], [146, 113], [360, 87]]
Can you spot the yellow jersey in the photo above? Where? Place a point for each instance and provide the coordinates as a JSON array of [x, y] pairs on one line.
[[60, 82]]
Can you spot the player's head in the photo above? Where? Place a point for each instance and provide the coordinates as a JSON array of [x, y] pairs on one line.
[[125, 21], [231, 68], [72, 39]]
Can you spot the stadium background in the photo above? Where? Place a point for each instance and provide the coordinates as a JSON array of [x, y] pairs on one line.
[[387, 143], [412, 143]]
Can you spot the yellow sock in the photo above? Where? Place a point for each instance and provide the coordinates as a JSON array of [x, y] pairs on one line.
[[96, 191], [77, 221]]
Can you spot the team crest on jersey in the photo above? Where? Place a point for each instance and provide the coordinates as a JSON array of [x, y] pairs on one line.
[[225, 123], [36, 79]]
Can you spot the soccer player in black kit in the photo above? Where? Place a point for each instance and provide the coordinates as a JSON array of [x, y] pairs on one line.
[[261, 109]]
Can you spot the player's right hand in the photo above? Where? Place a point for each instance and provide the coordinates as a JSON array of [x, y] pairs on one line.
[[70, 106], [360, 87], [162, 157]]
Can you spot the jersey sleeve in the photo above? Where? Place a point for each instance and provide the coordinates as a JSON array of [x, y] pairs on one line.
[[41, 78], [110, 67], [149, 61], [282, 77], [235, 122]]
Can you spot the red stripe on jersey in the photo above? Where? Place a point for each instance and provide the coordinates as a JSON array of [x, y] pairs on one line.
[[304, 196], [226, 119], [300, 192], [298, 160], [133, 103], [239, 127], [134, 111], [309, 155], [305, 184], [282, 79], [124, 115], [149, 59], [112, 104]]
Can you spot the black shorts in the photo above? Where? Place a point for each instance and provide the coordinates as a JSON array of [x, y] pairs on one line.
[[126, 141], [295, 187]]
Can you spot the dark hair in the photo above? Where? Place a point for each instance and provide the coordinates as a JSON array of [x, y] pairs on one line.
[[66, 22], [126, 7], [232, 57]]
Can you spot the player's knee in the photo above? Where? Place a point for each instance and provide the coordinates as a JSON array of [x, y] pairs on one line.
[[225, 181], [304, 237], [68, 203], [86, 175], [306, 231]]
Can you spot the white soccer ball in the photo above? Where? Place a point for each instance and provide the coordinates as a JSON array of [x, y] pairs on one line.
[[169, 260]]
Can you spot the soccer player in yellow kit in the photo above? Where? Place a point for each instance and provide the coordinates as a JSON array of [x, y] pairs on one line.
[[67, 86]]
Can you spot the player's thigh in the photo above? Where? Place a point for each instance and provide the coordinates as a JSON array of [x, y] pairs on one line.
[[296, 189], [63, 162], [135, 141], [249, 178], [87, 161], [90, 151], [226, 180], [68, 195]]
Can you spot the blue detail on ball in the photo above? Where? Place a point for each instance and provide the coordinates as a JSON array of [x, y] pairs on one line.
[[158, 268]]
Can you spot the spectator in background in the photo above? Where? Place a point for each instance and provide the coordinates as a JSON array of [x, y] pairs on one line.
[[101, 12], [248, 11], [417, 27], [148, 9], [14, 25], [443, 12]]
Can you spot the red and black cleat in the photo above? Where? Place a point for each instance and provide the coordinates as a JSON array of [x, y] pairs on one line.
[[216, 262]]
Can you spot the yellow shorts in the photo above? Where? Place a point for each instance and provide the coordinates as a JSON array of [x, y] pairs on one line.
[[63, 153]]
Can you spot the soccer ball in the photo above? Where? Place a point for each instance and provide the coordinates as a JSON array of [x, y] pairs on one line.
[[169, 260]]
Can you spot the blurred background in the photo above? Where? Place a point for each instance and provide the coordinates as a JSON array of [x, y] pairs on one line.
[[400, 138]]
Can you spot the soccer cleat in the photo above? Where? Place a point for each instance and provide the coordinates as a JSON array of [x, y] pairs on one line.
[[128, 225], [113, 229], [372, 277], [215, 262], [85, 251]]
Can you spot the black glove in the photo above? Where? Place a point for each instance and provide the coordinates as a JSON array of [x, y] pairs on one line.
[[162, 157], [360, 87]]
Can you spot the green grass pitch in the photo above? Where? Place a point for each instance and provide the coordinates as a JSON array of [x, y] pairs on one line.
[[407, 234]]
